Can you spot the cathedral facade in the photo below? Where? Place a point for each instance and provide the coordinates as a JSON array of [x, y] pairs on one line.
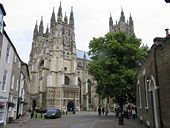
[[122, 25], [58, 71]]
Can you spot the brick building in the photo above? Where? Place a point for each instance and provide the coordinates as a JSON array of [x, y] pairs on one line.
[[153, 85]]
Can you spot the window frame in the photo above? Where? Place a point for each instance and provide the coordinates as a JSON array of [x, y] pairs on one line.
[[12, 81], [1, 21], [8, 53], [4, 82]]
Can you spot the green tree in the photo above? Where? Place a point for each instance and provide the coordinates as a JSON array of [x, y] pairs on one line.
[[116, 59]]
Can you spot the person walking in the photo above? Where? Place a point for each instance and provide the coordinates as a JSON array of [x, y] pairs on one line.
[[106, 111], [99, 110], [103, 110], [133, 113]]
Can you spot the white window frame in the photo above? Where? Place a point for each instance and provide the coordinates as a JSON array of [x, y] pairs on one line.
[[5, 74], [8, 53], [12, 81], [17, 85], [1, 21], [139, 95], [15, 102], [19, 64], [146, 92], [15, 58]]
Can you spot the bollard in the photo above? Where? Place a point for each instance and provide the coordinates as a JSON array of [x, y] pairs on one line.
[[121, 120]]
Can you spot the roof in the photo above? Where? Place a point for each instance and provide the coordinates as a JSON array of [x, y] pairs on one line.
[[82, 54], [3, 10]]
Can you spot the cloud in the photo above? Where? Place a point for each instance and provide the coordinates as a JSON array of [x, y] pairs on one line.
[[91, 19]]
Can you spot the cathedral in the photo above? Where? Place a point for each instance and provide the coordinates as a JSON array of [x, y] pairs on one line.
[[58, 71], [122, 25]]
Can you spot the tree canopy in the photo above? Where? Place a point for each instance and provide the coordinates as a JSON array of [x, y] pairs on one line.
[[116, 59]]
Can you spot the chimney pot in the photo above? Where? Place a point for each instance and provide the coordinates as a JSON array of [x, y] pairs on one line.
[[167, 31]]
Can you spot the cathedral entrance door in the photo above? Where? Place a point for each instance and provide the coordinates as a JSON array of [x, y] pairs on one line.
[[70, 106]]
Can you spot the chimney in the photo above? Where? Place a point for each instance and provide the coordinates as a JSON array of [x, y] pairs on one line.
[[167, 31]]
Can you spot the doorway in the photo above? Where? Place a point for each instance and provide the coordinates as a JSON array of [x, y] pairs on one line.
[[70, 106]]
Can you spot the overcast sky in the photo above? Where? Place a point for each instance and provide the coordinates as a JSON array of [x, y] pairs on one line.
[[150, 17]]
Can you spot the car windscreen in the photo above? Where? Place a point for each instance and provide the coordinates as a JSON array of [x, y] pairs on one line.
[[51, 110]]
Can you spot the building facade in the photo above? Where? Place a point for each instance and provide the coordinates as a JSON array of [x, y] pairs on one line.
[[153, 85], [11, 68], [122, 25], [58, 71]]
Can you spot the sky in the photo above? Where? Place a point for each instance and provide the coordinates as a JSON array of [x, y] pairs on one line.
[[91, 19]]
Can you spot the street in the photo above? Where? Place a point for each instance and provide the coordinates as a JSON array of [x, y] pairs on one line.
[[78, 120]]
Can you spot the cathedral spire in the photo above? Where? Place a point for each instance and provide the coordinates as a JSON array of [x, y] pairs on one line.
[[122, 17], [53, 21], [47, 29], [71, 20], [59, 15], [65, 18], [35, 30], [130, 20], [110, 21], [41, 27]]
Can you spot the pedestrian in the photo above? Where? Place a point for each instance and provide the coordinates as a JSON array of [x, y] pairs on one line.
[[99, 110], [103, 110], [106, 111], [129, 110], [133, 113]]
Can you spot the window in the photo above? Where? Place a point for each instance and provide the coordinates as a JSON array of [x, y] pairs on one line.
[[19, 64], [17, 85], [65, 68], [67, 80], [7, 53], [140, 97], [1, 21], [15, 58], [146, 85], [89, 90], [12, 81], [15, 102], [4, 80], [1, 44]]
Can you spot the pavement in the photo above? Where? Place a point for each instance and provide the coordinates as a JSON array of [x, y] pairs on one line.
[[110, 121], [18, 122]]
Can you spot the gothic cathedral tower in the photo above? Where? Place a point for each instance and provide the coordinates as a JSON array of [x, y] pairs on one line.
[[52, 65], [122, 25]]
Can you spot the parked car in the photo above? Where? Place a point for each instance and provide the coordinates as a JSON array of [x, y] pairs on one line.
[[52, 113]]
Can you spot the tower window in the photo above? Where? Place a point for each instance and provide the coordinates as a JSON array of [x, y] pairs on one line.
[[65, 68], [67, 80]]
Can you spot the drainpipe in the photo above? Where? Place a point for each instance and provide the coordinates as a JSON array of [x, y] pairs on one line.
[[157, 42]]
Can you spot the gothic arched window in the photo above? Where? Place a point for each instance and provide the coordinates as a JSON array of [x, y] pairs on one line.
[[89, 90], [79, 84], [67, 80], [41, 64]]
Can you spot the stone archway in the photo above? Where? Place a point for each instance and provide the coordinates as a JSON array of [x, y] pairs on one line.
[[70, 106], [153, 89], [34, 104]]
